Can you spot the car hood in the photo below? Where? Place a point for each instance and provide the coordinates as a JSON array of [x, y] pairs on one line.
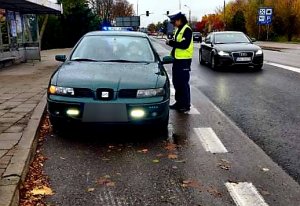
[[115, 76], [237, 47]]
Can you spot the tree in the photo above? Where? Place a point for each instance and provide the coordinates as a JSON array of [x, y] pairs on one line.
[[151, 27], [239, 21]]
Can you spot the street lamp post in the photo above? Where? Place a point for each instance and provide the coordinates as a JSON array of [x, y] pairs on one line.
[[190, 13], [224, 14]]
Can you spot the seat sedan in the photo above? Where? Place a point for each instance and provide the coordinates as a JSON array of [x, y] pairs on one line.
[[230, 49], [110, 78]]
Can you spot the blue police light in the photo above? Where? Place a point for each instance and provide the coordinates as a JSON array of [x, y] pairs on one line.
[[107, 28]]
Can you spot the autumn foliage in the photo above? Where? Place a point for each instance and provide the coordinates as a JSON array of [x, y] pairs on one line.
[[242, 15]]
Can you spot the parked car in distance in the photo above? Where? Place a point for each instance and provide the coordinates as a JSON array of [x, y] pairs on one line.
[[197, 37]]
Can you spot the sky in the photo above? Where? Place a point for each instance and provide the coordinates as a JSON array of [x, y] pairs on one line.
[[159, 7]]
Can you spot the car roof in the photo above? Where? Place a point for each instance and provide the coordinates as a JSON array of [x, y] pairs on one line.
[[117, 33], [224, 32]]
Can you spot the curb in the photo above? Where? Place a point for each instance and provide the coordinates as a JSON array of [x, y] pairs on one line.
[[16, 171]]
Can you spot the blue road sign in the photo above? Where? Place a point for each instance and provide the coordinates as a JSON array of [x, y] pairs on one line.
[[265, 16]]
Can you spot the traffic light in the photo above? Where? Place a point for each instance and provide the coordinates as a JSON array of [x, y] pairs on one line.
[[168, 12], [147, 13]]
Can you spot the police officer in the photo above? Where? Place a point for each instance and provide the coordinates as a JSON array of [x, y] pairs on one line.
[[183, 48]]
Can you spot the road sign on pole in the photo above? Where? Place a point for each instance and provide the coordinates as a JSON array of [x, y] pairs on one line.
[[265, 16]]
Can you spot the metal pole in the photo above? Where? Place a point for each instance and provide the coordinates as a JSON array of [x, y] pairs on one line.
[[179, 4], [137, 8], [190, 16], [224, 14]]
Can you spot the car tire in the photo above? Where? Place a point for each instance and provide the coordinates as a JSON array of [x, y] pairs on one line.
[[162, 125], [201, 61], [213, 62], [56, 124]]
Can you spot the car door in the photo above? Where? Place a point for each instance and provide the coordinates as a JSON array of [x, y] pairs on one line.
[[206, 48]]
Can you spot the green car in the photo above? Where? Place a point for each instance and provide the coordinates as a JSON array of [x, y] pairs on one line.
[[110, 78]]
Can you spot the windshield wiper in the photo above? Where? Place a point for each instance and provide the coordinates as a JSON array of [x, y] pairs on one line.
[[125, 61], [84, 60]]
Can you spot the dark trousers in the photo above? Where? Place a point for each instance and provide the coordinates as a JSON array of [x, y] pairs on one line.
[[181, 77]]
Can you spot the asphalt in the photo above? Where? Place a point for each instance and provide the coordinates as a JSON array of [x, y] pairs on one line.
[[254, 115]]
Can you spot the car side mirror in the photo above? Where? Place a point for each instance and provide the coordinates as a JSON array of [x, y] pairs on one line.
[[168, 60], [61, 58], [253, 39]]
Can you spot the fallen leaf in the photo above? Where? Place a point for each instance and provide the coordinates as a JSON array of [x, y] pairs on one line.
[[105, 159], [111, 146], [110, 184], [172, 156], [143, 151], [180, 161], [159, 155], [44, 190], [191, 183], [174, 167], [265, 193], [91, 189], [155, 161], [171, 147], [224, 164], [265, 169], [62, 158], [214, 192]]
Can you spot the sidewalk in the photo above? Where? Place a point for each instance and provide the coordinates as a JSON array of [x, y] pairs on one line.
[[22, 88], [279, 46]]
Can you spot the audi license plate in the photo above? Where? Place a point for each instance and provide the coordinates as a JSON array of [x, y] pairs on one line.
[[243, 59]]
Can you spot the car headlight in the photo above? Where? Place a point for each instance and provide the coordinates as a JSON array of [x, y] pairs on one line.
[[150, 93], [259, 52], [222, 53], [61, 91]]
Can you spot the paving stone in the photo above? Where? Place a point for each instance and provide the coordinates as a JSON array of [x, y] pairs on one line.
[[8, 120], [11, 103], [26, 95], [7, 144], [3, 152], [15, 129], [1, 171], [7, 96], [14, 115], [22, 109], [10, 136], [5, 160], [2, 112], [28, 105]]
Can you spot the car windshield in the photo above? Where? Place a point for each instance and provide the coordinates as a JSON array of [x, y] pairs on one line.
[[229, 38], [114, 49], [196, 33]]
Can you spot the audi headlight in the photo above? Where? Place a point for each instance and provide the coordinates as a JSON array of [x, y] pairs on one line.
[[259, 52], [222, 53], [150, 93], [66, 91]]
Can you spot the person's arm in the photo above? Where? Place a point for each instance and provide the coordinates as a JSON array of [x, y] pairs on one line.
[[184, 44]]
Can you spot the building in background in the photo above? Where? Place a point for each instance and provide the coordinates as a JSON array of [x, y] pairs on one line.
[[19, 30]]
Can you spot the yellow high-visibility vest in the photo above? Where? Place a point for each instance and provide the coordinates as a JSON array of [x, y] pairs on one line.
[[184, 53]]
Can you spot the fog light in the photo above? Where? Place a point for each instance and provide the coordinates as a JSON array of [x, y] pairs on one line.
[[137, 113], [73, 112]]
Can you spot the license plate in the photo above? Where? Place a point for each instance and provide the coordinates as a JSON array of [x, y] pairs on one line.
[[243, 59], [99, 112]]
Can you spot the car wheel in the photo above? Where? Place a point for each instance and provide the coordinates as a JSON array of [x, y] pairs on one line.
[[213, 62], [57, 125], [201, 61]]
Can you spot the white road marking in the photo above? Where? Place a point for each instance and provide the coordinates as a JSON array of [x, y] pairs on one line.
[[210, 140], [172, 91], [294, 69], [245, 194], [193, 110]]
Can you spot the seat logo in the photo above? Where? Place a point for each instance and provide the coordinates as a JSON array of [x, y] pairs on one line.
[[105, 94], [243, 54]]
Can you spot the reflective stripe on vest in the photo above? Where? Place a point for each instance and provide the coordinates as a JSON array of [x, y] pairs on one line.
[[184, 53]]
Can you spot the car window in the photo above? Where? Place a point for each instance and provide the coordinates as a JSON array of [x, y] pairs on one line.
[[228, 38], [114, 48]]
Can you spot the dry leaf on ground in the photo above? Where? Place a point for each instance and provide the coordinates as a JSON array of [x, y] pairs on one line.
[[172, 156]]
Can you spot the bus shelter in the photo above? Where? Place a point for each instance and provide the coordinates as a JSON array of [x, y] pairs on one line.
[[19, 30]]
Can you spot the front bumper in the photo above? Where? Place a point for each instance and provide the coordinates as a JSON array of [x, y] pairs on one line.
[[107, 112], [256, 60]]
